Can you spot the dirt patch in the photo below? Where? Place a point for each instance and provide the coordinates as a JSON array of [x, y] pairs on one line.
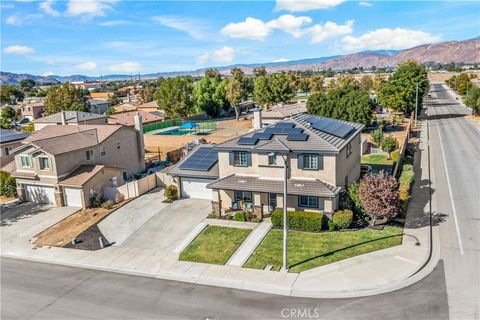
[[62, 233], [4, 199]]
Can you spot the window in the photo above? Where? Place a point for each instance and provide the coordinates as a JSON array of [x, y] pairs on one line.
[[44, 163], [243, 195], [26, 161], [240, 159], [103, 151], [310, 162], [348, 149], [272, 159], [118, 145], [89, 154], [7, 150], [308, 201]]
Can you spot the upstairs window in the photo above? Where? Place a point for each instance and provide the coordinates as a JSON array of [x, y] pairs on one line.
[[310, 162], [44, 163], [26, 161], [272, 160], [118, 144], [348, 149], [89, 155], [240, 159], [103, 151]]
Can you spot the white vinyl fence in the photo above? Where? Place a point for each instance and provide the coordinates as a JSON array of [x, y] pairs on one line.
[[131, 189]]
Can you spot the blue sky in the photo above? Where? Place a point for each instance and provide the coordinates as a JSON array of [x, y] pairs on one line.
[[94, 37]]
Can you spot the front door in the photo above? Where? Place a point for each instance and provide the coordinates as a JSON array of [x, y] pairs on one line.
[[272, 201]]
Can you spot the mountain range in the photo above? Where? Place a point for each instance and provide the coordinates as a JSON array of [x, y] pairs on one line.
[[465, 51]]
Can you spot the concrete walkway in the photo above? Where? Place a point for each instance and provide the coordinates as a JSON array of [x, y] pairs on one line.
[[246, 249]]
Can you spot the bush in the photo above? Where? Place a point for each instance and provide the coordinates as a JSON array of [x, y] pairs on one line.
[[357, 206], [8, 185], [406, 178], [239, 216], [331, 225], [95, 201], [107, 204], [171, 193], [389, 144], [299, 220], [342, 219], [377, 137], [395, 155]]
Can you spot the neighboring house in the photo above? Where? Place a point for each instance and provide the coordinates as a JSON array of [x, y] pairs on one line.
[[9, 140], [323, 156], [282, 111], [106, 95], [125, 107], [98, 106], [71, 118], [127, 118], [151, 106], [32, 111], [67, 164]]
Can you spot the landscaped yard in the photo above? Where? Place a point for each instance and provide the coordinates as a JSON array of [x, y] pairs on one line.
[[214, 245], [309, 250], [378, 162]]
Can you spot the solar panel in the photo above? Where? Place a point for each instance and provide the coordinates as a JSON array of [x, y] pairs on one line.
[[297, 137], [262, 135], [202, 160], [285, 125], [248, 141], [275, 130], [333, 127]]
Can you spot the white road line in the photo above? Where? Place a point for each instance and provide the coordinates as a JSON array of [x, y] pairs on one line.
[[457, 228]]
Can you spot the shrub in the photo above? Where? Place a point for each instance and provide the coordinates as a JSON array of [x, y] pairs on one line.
[[331, 225], [107, 204], [406, 178], [299, 220], [342, 219], [377, 137], [389, 144], [357, 206], [395, 155], [95, 201], [8, 185], [239, 216], [171, 193]]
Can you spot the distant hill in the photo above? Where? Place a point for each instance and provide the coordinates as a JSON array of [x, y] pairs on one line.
[[465, 51]]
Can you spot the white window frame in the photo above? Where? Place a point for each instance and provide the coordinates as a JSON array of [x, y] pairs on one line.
[[240, 159], [311, 202], [310, 162], [47, 167], [28, 163]]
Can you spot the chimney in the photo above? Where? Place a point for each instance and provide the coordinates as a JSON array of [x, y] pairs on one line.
[[257, 119], [141, 144], [63, 117], [128, 97]]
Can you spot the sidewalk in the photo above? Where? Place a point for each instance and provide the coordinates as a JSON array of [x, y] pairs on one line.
[[373, 273]]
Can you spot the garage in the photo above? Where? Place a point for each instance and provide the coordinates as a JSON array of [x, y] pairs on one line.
[[40, 194], [73, 197], [196, 188]]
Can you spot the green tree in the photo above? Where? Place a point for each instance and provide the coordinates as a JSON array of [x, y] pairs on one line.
[[65, 97], [281, 87], [261, 92], [462, 83], [377, 137], [8, 186], [110, 111], [147, 94], [209, 95], [399, 93], [472, 99], [7, 118], [389, 144], [213, 74], [235, 89], [316, 83], [259, 72], [174, 96], [114, 100], [347, 102], [366, 83], [29, 128], [11, 94], [27, 85]]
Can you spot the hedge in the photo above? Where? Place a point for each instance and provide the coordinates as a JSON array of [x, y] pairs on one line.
[[8, 186], [406, 180], [342, 219], [299, 220], [239, 216]]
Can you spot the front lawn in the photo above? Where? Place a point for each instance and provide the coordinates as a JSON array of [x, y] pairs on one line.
[[378, 162], [214, 245], [309, 250]]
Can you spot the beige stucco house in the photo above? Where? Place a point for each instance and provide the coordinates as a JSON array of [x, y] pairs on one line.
[[322, 156], [66, 164]]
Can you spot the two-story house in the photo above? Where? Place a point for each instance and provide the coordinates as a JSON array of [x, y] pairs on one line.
[[66, 164], [317, 156], [9, 140], [70, 118]]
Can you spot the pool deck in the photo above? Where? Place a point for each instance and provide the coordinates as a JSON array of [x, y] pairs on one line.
[[160, 132]]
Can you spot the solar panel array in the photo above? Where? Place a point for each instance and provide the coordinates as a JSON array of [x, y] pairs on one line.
[[248, 141], [202, 160], [285, 125], [331, 126], [297, 137], [262, 135], [280, 130]]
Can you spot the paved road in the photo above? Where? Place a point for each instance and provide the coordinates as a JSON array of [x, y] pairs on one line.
[[455, 161], [32, 290]]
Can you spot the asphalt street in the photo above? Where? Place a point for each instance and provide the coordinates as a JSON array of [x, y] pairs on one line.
[[455, 163], [32, 290]]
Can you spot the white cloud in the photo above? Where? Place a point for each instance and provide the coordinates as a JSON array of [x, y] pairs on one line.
[[47, 8], [328, 30], [281, 60], [305, 5], [222, 55], [48, 73], [125, 67], [113, 23], [365, 4], [193, 27], [386, 38], [251, 28], [290, 24], [18, 49], [19, 20], [87, 66], [89, 8]]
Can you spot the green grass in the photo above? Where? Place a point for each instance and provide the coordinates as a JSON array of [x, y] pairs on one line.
[[378, 161], [309, 250], [214, 245]]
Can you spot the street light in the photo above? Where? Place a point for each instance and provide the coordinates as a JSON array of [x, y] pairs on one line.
[[416, 100], [285, 217]]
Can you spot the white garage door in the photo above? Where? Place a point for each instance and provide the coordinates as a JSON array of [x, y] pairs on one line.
[[196, 188], [40, 194], [73, 197]]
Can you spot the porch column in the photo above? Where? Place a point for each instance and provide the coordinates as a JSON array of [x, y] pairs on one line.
[[59, 196], [216, 203], [257, 205]]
